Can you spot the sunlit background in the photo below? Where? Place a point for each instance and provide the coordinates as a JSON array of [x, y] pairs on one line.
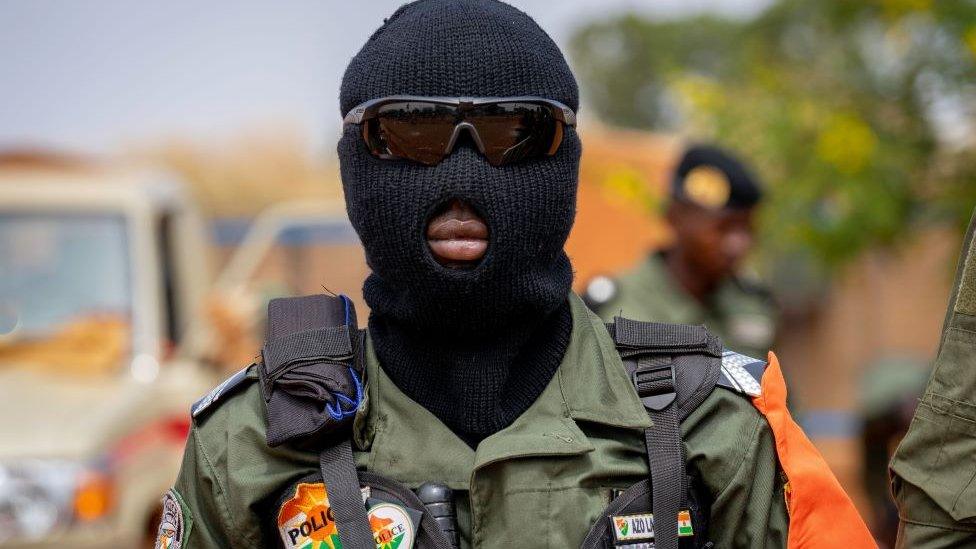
[[166, 168]]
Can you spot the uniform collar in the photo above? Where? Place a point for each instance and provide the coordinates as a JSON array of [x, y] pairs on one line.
[[409, 443]]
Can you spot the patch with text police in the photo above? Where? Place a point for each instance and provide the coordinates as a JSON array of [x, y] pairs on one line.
[[392, 526], [306, 521]]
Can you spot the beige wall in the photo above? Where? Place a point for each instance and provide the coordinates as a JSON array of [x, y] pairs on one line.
[[885, 304]]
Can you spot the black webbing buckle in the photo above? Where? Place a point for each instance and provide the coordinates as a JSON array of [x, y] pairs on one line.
[[655, 385]]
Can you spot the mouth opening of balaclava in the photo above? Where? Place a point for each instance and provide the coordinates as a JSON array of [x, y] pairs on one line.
[[457, 235], [474, 345]]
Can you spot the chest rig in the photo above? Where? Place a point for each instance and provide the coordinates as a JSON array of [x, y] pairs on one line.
[[312, 380]]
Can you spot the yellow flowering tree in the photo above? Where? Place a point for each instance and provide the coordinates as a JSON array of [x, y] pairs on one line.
[[860, 116]]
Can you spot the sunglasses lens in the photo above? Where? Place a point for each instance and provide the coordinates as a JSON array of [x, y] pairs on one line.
[[421, 130], [414, 130], [514, 131]]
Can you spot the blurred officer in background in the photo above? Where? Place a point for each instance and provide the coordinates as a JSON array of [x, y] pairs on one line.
[[933, 472], [480, 371], [696, 280]]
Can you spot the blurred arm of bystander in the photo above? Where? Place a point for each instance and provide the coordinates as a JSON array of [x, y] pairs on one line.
[[933, 473]]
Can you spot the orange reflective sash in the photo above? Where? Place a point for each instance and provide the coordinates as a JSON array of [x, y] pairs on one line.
[[821, 514]]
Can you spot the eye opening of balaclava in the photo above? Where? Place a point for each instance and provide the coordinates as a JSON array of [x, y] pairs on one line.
[[474, 346]]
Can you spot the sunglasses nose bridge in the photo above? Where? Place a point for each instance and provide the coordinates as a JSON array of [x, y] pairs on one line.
[[472, 131]]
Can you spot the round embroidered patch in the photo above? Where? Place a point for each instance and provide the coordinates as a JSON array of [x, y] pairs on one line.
[[306, 520], [170, 535], [392, 527]]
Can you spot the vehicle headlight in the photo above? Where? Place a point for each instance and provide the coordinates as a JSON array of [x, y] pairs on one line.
[[39, 497]]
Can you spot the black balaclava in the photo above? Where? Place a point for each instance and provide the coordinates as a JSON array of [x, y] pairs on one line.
[[474, 347]]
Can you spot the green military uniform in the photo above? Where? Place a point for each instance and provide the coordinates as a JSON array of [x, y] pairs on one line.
[[542, 481], [934, 467], [742, 314]]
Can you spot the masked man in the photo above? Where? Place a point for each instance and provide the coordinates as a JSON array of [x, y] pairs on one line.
[[486, 406]]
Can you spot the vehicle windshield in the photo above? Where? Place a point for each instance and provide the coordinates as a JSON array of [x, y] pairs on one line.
[[65, 292]]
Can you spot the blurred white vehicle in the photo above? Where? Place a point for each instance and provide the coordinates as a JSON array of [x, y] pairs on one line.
[[106, 339]]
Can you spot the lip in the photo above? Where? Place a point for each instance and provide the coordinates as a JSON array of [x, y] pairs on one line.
[[457, 236]]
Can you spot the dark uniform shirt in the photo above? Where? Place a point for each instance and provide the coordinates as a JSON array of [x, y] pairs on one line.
[[541, 482]]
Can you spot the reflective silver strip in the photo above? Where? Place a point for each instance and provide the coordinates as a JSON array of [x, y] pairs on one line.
[[732, 367]]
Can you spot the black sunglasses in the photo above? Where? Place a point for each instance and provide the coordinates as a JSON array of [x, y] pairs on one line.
[[425, 129]]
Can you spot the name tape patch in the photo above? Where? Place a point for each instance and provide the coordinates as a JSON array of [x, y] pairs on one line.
[[633, 527], [640, 527]]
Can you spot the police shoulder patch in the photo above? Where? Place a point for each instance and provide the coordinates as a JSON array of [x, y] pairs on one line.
[[219, 391], [741, 373], [174, 527]]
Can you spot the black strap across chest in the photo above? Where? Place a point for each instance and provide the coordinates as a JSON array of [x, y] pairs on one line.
[[310, 363]]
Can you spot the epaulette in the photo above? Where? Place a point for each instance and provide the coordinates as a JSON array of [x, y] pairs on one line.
[[741, 373], [225, 388], [600, 290]]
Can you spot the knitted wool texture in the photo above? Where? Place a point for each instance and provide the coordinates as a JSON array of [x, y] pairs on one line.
[[475, 347]]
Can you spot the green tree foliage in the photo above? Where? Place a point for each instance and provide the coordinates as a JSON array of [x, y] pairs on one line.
[[861, 116]]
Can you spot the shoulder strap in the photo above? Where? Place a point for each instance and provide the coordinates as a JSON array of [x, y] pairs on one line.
[[673, 368], [697, 364], [310, 365], [219, 393]]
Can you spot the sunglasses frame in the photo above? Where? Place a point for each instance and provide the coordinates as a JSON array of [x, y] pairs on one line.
[[368, 109]]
